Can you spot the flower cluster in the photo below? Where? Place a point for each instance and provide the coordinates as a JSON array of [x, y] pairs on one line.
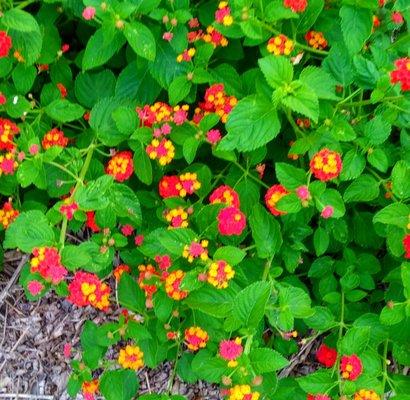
[[272, 197], [297, 6], [7, 214], [188, 184], [241, 392], [364, 394], [173, 285], [90, 222], [120, 166], [177, 217], [326, 355], [351, 367], [402, 73], [214, 37], [55, 137], [406, 245], [195, 338], [146, 281], [5, 44], [230, 350], [280, 45], [219, 274], [225, 195], [223, 14], [8, 164], [87, 289], [8, 130], [196, 250], [231, 221], [47, 262], [316, 40], [317, 397], [186, 55], [163, 151], [326, 165], [121, 269], [131, 357], [215, 101], [69, 208], [90, 388]]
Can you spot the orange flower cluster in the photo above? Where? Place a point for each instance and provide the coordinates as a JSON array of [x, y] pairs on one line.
[[186, 55], [214, 37], [55, 137], [272, 196], [90, 388], [280, 45], [145, 279], [120, 166], [316, 40], [8, 130], [196, 338], [188, 184], [297, 6], [131, 357], [242, 392], [326, 165], [163, 151], [87, 289], [177, 217], [160, 112], [173, 285], [219, 274], [7, 214], [215, 101], [364, 394], [118, 271]]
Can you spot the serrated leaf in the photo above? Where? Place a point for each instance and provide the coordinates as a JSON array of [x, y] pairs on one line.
[[266, 360], [356, 26], [278, 71], [141, 39]]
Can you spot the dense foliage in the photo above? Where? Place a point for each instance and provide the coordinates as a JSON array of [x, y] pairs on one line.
[[229, 182]]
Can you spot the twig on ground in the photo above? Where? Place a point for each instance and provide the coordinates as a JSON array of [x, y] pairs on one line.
[[13, 279]]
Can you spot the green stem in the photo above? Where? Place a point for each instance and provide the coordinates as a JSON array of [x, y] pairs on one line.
[[25, 4], [67, 171], [267, 269], [349, 97], [341, 325], [246, 172], [369, 101], [248, 344], [385, 348], [297, 130], [174, 370]]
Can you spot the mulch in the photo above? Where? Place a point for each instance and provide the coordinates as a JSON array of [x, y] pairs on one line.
[[32, 337]]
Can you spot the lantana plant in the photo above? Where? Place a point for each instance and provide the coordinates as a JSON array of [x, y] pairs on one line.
[[228, 182]]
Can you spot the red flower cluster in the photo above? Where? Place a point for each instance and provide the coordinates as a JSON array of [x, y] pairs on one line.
[[230, 350], [5, 44], [272, 196], [280, 45], [225, 195], [177, 217], [351, 367], [87, 289], [146, 281], [326, 165], [186, 55], [231, 221], [7, 132], [47, 262], [318, 397], [90, 222], [326, 355], [214, 37], [223, 14], [406, 245], [161, 112], [7, 214], [69, 208], [215, 101], [296, 5], [120, 166], [55, 137], [316, 40], [402, 73], [8, 164]]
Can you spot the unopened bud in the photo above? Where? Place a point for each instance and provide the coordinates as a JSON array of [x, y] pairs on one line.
[[257, 380], [119, 24], [174, 22]]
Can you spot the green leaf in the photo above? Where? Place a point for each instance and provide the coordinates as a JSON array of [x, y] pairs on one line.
[[251, 124], [126, 119], [119, 384], [289, 203], [356, 26], [394, 214], [130, 295], [320, 82], [29, 230], [378, 159], [19, 20], [64, 111], [266, 360], [296, 300], [278, 71], [74, 257], [232, 255], [392, 315], [353, 165], [331, 197], [302, 99], [310, 15], [320, 381], [355, 340], [290, 176], [102, 45], [140, 39], [208, 367], [266, 232], [401, 179], [93, 196], [143, 168], [89, 87], [364, 188], [377, 130], [320, 241], [189, 149], [23, 77], [125, 203], [249, 304], [179, 89]]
